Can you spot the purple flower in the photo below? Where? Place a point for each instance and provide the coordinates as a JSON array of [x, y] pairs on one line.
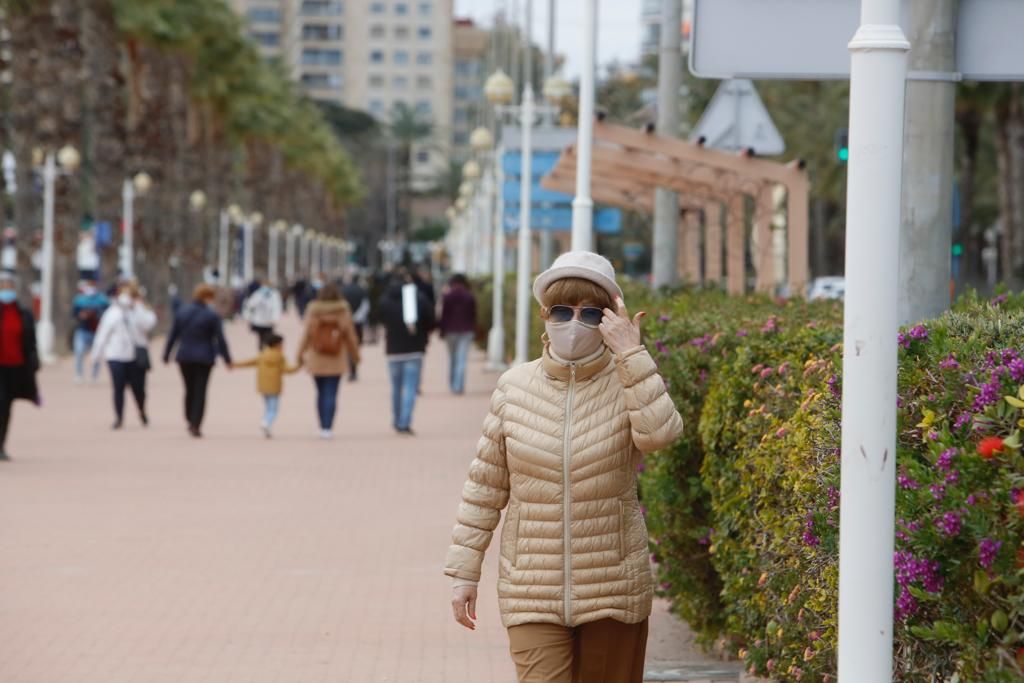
[[772, 325], [660, 345], [950, 363], [962, 420], [906, 605], [938, 491], [952, 477], [809, 537], [945, 461], [1017, 369], [833, 387], [911, 569], [987, 551], [664, 318], [833, 497], [989, 394], [919, 333], [741, 333], [907, 483], [949, 524], [933, 435], [1001, 299], [641, 466], [903, 340]]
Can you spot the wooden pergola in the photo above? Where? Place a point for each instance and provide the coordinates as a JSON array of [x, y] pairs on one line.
[[628, 165]]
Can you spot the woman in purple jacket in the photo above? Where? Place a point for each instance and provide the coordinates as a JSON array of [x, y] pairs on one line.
[[458, 328]]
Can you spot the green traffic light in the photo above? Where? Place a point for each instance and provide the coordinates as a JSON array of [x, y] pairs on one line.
[[958, 250], [844, 154]]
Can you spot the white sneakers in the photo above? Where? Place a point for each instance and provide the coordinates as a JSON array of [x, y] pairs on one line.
[[326, 434]]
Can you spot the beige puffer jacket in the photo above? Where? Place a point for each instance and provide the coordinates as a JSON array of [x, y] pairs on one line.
[[587, 423]]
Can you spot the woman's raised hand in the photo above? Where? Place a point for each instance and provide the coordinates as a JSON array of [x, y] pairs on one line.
[[464, 605], [619, 331]]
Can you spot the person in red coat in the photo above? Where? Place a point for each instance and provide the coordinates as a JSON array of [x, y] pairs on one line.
[[19, 359]]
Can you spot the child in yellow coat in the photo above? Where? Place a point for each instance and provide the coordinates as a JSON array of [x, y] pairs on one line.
[[271, 367]]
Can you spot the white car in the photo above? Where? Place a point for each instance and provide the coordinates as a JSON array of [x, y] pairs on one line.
[[831, 287]]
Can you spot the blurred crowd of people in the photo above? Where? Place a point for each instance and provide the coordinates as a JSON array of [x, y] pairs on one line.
[[114, 327]]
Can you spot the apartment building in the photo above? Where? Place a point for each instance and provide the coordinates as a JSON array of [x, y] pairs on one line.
[[471, 45], [368, 55]]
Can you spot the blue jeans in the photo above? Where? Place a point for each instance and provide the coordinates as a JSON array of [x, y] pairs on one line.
[[82, 344], [405, 382], [127, 376], [458, 352], [270, 405], [327, 398]]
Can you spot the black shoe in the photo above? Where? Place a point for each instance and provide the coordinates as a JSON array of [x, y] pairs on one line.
[[194, 431], [4, 456], [116, 425], [144, 418], [407, 431]]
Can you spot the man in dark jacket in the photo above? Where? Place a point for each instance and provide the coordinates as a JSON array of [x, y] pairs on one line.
[[408, 318], [199, 334], [358, 301], [19, 359], [458, 328]]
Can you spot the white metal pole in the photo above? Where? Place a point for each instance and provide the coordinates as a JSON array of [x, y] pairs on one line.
[[583, 205], [247, 245], [524, 266], [45, 332], [225, 248], [128, 197], [867, 508], [289, 258], [496, 338], [272, 257], [666, 202]]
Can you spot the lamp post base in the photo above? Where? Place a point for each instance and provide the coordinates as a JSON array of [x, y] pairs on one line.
[[496, 350], [45, 335]]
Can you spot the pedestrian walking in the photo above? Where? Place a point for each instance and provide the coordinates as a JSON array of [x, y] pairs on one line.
[[262, 310], [561, 447], [122, 340], [86, 310], [408, 318], [198, 333], [359, 302], [328, 341], [19, 360], [458, 329], [271, 367]]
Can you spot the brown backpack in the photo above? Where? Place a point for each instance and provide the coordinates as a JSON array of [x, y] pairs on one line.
[[328, 338]]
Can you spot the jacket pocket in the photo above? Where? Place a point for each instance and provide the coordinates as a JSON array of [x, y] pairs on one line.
[[622, 531]]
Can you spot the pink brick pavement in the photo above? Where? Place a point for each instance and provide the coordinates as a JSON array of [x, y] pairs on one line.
[[146, 557]]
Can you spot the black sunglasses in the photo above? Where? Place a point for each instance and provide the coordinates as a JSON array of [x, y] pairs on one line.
[[589, 315]]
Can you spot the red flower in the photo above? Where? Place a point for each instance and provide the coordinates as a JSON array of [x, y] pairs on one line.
[[990, 446]]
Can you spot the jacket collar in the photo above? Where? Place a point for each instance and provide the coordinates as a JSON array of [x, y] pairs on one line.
[[585, 367]]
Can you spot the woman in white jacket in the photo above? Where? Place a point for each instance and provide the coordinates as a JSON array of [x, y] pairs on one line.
[[122, 339]]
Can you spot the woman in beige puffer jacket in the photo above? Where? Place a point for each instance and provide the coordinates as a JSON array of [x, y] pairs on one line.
[[560, 448]]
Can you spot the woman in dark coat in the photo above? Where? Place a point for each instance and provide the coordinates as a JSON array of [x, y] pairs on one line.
[[199, 334], [19, 359]]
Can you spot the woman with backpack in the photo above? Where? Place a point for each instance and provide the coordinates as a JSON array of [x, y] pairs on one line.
[[328, 341]]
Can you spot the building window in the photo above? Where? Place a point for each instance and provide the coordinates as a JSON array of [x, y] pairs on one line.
[[377, 107], [401, 8], [321, 8], [377, 57], [322, 81], [422, 157], [266, 39], [376, 81], [313, 57], [467, 69], [401, 57], [402, 32], [424, 107], [377, 31], [461, 138], [377, 8], [400, 82], [424, 82], [424, 32], [264, 15], [461, 115], [424, 58], [425, 9], [330, 32], [469, 92]]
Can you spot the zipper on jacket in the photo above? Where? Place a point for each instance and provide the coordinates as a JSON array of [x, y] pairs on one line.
[[567, 493]]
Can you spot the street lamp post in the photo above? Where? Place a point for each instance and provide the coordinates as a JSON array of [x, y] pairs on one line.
[[276, 230], [45, 331], [197, 202], [137, 186], [248, 245], [583, 205], [294, 235]]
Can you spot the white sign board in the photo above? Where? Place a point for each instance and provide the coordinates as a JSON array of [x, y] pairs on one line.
[[736, 119], [807, 39]]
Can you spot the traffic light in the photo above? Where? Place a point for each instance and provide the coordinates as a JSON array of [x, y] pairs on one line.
[[842, 144], [958, 250]]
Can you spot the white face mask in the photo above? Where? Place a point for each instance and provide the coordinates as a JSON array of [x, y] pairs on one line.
[[124, 300], [573, 340]]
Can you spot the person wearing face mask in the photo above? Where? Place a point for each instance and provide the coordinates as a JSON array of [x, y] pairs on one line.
[[560, 449], [19, 361], [121, 340]]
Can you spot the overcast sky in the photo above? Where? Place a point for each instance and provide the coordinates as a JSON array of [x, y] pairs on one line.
[[618, 27]]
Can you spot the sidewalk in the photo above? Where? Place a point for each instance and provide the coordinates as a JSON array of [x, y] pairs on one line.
[[144, 556]]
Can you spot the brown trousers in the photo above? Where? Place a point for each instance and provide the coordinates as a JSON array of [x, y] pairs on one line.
[[605, 651]]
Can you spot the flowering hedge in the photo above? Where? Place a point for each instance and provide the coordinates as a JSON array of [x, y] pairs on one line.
[[743, 511]]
